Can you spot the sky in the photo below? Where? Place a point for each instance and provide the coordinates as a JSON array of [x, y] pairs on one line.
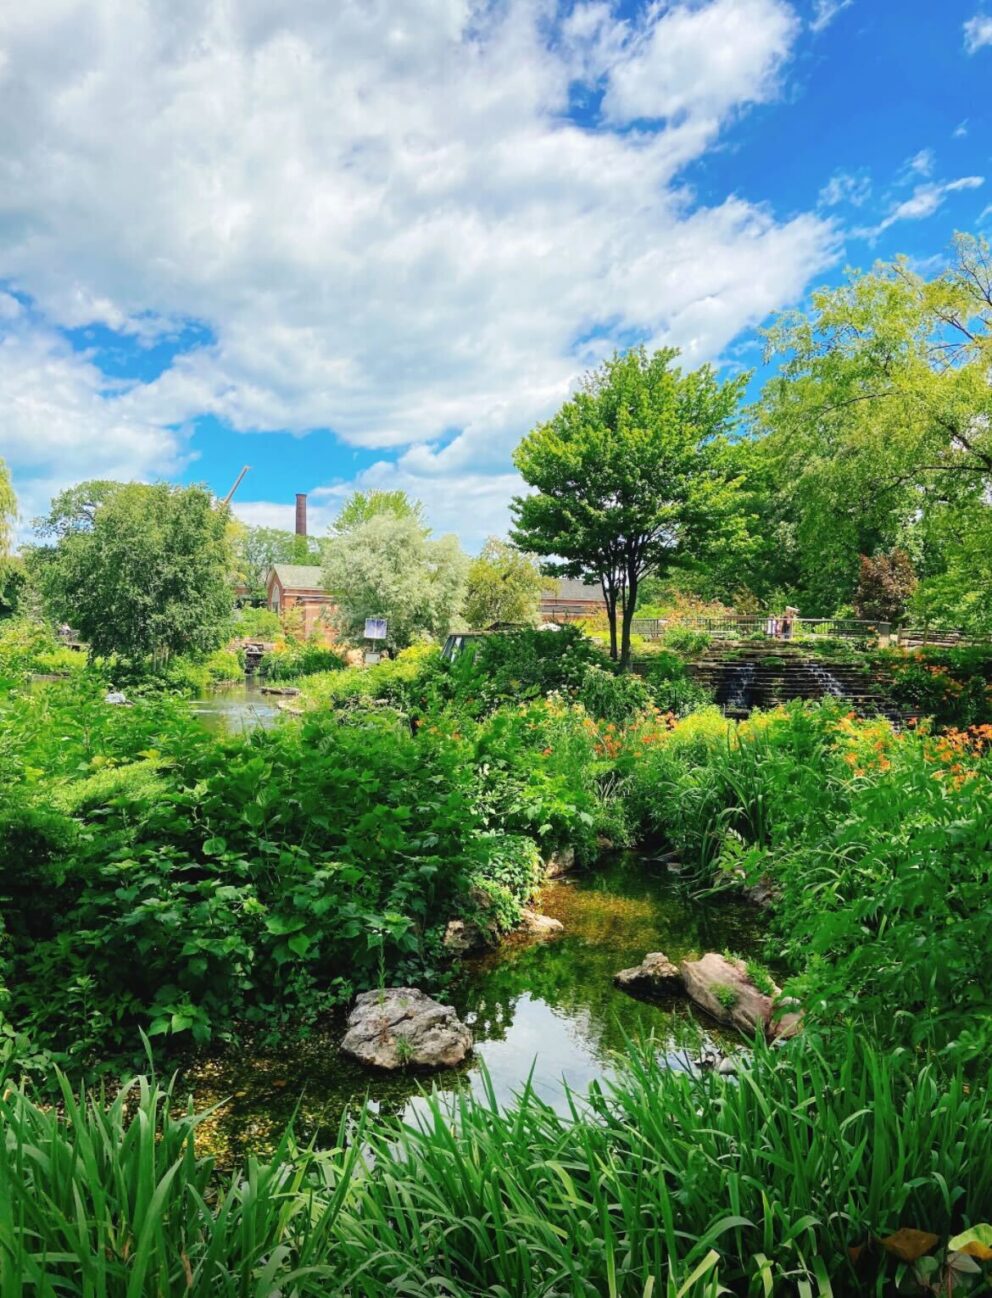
[[370, 243]]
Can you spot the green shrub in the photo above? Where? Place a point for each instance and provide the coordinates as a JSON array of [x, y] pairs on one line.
[[257, 624], [609, 696], [683, 640], [300, 658], [521, 665]]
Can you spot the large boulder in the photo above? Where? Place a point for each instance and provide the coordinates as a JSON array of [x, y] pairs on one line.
[[654, 976], [535, 924], [722, 987], [401, 1027], [561, 861]]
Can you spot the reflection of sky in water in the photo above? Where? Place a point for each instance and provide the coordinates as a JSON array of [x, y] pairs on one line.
[[544, 1009], [233, 708]]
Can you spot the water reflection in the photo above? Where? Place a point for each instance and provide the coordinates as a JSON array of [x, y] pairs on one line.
[[230, 709], [544, 1009]]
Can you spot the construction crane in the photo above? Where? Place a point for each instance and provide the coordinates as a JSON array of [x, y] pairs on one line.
[[237, 484]]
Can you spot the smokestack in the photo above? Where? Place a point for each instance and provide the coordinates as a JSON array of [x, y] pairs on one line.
[[301, 514]]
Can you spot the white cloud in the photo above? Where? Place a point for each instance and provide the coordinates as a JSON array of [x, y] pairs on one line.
[[695, 65], [381, 210], [977, 32], [63, 420], [921, 164], [924, 201], [825, 11], [846, 187]]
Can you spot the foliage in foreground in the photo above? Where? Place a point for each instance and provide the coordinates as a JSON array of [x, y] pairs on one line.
[[795, 1175]]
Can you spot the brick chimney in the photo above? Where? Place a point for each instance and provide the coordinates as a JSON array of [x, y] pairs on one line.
[[301, 514]]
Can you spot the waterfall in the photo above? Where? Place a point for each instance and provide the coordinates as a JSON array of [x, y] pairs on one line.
[[739, 684], [826, 680]]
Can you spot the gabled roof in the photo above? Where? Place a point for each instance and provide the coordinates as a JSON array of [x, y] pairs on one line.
[[570, 589], [298, 576]]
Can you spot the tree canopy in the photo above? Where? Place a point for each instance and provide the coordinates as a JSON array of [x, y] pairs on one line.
[[8, 514], [504, 586], [364, 505], [388, 566], [145, 572], [877, 430], [628, 478]]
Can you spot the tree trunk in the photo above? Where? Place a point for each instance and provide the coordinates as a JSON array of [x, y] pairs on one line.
[[610, 595], [629, 607]]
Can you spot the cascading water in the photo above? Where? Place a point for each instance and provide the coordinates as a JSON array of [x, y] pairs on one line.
[[826, 681], [738, 687]]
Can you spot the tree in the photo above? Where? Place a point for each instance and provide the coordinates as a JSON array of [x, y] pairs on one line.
[[627, 477], [8, 515], [885, 585], [257, 549], [504, 585], [880, 419], [364, 505], [147, 575], [387, 566]]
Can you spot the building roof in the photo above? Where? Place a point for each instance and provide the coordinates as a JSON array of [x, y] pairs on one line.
[[298, 576], [570, 589]]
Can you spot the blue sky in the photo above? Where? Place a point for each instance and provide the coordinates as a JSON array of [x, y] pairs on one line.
[[370, 244]]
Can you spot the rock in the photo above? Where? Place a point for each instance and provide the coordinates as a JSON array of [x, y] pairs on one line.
[[559, 862], [654, 976], [727, 1067], [400, 1027], [721, 986], [460, 937], [539, 925]]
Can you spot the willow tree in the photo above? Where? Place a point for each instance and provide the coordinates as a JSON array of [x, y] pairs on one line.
[[628, 478]]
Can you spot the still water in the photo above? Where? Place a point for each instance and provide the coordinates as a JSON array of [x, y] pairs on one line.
[[229, 709], [541, 1008]]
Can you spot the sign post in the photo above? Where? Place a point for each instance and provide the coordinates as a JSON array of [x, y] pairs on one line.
[[375, 631]]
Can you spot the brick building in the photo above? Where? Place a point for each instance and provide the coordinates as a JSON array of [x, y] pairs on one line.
[[570, 600], [292, 586]]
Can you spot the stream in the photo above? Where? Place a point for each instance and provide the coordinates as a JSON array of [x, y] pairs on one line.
[[546, 1008], [228, 709]]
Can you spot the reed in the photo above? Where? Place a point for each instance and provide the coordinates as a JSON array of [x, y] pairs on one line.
[[663, 1184]]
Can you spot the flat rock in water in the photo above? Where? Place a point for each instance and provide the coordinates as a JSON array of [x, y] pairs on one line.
[[654, 976], [532, 922], [401, 1027], [721, 986]]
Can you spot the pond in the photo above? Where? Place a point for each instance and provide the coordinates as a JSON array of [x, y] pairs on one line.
[[229, 709], [541, 1008]]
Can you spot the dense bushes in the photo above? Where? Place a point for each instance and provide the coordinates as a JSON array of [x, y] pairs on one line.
[[952, 686], [297, 658], [875, 844], [792, 1178]]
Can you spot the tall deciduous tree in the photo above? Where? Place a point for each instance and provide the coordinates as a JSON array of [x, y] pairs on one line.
[[388, 566], [364, 505], [8, 514], [504, 585], [148, 574], [627, 477], [880, 420]]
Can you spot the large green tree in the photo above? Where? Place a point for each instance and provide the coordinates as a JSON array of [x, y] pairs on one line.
[[879, 423], [8, 514], [504, 585], [364, 505], [628, 478], [145, 572], [388, 566]]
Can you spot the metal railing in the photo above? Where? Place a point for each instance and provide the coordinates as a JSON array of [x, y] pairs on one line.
[[756, 627]]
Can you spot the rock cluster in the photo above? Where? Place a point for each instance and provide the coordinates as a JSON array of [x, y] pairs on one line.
[[718, 984], [401, 1027]]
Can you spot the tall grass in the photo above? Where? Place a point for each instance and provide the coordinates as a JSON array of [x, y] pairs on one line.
[[663, 1183]]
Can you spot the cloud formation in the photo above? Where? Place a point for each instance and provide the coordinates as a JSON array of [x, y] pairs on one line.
[[413, 222], [978, 32]]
